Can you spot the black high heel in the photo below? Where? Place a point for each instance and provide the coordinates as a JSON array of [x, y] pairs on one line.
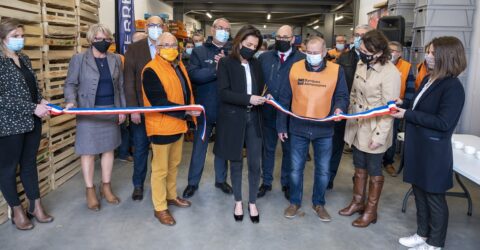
[[237, 217], [254, 219]]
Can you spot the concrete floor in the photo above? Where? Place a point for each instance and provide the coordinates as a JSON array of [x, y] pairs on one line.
[[209, 223]]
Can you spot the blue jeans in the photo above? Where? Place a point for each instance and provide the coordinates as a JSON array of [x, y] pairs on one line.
[[390, 153], [199, 152], [270, 138], [123, 149], [322, 151], [140, 155]]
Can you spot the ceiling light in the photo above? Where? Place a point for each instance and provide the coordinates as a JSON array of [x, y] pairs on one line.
[[338, 18], [264, 26], [268, 16], [316, 27], [208, 14], [351, 28], [314, 22]]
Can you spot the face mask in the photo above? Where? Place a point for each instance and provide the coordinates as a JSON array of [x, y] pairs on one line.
[[357, 41], [314, 60], [15, 44], [351, 46], [430, 60], [394, 58], [247, 53], [366, 58], [198, 44], [101, 46], [154, 32], [257, 55], [189, 51], [282, 46], [169, 54], [340, 46], [222, 35]]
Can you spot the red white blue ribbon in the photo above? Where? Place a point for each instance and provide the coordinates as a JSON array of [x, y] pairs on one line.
[[56, 110], [378, 111]]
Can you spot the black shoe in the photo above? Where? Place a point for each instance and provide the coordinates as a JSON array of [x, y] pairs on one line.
[[224, 187], [286, 191], [254, 219], [237, 217], [189, 191], [330, 186], [137, 194], [263, 190]]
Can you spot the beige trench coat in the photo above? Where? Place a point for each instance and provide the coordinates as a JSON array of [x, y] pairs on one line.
[[371, 89]]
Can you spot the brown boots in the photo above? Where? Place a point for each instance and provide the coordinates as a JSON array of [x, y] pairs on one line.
[[358, 201], [92, 201], [20, 219], [36, 211], [106, 192], [369, 211]]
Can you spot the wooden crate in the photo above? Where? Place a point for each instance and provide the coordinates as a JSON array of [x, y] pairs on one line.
[[59, 12], [24, 10]]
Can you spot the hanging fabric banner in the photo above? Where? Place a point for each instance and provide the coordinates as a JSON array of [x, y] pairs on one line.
[[125, 27]]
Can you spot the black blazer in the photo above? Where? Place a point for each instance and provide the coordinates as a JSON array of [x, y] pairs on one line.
[[16, 105], [234, 101], [428, 153]]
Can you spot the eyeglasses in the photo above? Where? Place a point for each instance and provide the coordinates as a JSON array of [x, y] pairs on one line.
[[313, 52], [99, 39], [153, 25], [283, 38], [221, 28], [168, 46]]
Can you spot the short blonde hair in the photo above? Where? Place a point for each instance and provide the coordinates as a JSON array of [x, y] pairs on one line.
[[94, 29]]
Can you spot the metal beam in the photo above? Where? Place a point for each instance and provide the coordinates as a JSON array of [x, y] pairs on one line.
[[263, 2], [246, 8]]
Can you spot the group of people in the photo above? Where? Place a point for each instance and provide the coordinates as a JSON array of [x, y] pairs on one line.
[[232, 80]]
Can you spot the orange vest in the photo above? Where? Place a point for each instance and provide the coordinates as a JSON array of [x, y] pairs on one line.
[[312, 92], [404, 68], [421, 73], [158, 123], [336, 54]]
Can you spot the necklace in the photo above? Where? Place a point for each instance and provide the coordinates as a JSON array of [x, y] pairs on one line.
[[101, 61]]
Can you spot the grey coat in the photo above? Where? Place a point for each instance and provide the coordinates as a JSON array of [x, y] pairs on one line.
[[16, 105], [82, 80]]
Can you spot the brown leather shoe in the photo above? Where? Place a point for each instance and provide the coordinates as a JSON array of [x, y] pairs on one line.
[[370, 214], [179, 202], [20, 219], [358, 202], [291, 211], [39, 213], [165, 217], [391, 170], [92, 201], [322, 213], [106, 192]]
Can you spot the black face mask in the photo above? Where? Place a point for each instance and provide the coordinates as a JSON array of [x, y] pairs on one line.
[[366, 58], [282, 46], [101, 46], [247, 53]]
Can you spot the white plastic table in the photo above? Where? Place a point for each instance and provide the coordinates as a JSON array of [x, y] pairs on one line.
[[465, 165]]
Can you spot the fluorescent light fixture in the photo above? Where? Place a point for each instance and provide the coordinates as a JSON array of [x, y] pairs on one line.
[[264, 26], [316, 27], [338, 18], [314, 22], [269, 16], [351, 28], [208, 14]]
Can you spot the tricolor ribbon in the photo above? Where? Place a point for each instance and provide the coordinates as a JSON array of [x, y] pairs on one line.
[[378, 111], [56, 110]]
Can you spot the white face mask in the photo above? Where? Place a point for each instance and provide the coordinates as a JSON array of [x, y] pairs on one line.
[[222, 35], [394, 58], [198, 44], [154, 32], [314, 60], [340, 46]]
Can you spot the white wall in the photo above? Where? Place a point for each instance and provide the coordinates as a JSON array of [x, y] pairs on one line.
[[365, 7]]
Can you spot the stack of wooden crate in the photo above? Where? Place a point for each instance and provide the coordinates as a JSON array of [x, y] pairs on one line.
[[87, 14]]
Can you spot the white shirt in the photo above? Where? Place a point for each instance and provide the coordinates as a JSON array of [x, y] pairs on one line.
[[287, 53], [249, 77], [427, 85], [152, 47]]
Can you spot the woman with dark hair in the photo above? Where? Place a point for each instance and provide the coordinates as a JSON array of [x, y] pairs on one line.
[[428, 157], [376, 82], [241, 87], [21, 109]]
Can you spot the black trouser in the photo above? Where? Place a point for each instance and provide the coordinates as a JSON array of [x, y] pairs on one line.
[[432, 216], [253, 143], [337, 148], [20, 149]]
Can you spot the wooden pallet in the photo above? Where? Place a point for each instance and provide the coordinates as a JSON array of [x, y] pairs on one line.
[[26, 11], [61, 175], [59, 12], [3, 213], [92, 3]]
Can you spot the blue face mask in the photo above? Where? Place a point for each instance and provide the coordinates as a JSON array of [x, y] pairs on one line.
[[154, 32], [15, 44], [314, 60], [357, 41], [189, 51], [221, 35], [340, 46], [198, 44]]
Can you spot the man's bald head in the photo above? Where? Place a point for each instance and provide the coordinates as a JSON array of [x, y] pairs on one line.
[[316, 45], [166, 39], [154, 20], [286, 31]]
